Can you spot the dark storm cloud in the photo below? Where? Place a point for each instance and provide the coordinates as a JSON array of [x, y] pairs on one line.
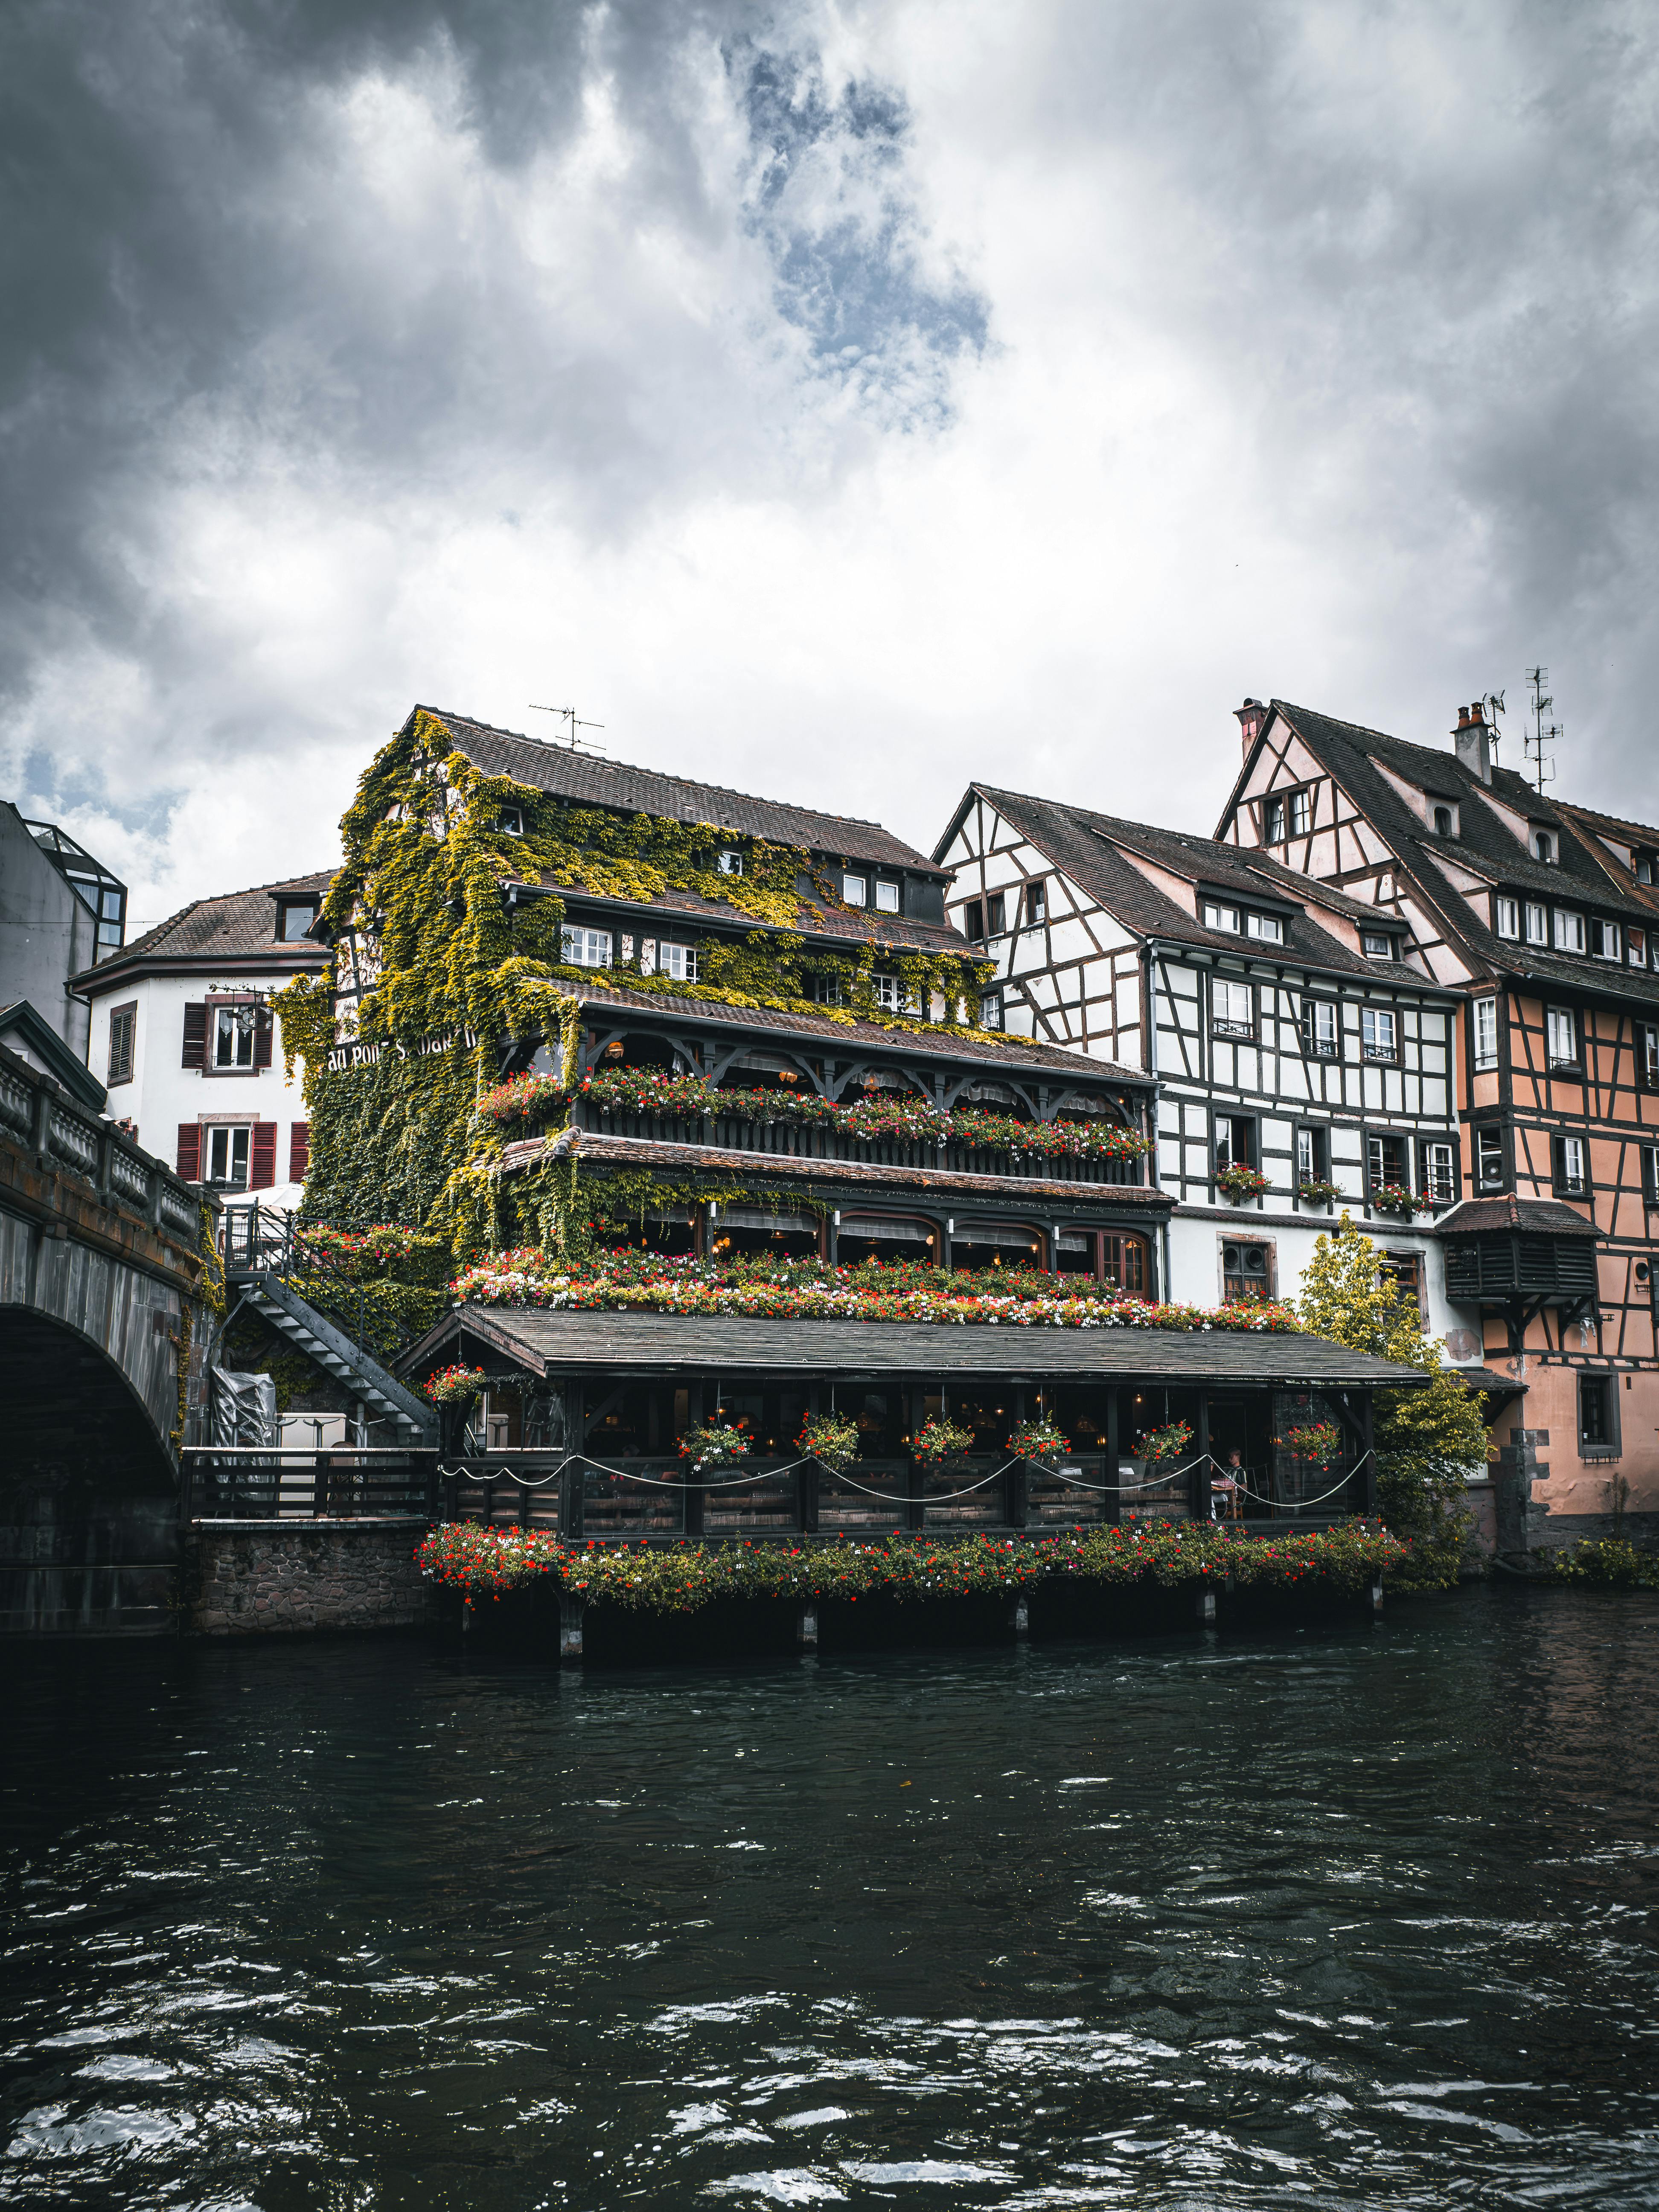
[[205, 281]]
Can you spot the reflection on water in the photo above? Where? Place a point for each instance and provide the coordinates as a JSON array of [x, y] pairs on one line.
[[1355, 1917]]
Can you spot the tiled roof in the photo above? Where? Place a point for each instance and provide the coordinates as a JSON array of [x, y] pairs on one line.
[[1019, 1055], [592, 782], [1532, 1217], [239, 925], [1486, 846], [1083, 846], [858, 926], [609, 1342]]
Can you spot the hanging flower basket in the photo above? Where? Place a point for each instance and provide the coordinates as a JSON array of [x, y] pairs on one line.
[[1320, 1441], [1318, 1192], [1167, 1443], [1394, 1198], [1038, 1440], [714, 1444], [832, 1439], [1240, 1184], [454, 1386], [937, 1442]]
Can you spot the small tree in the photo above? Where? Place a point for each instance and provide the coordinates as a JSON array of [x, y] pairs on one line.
[[1428, 1441]]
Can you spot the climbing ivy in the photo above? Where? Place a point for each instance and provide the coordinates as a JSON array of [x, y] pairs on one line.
[[449, 942]]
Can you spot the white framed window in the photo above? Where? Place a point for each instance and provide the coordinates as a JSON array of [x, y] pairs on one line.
[[1378, 1031], [1568, 931], [1506, 916], [887, 897], [1644, 865], [1636, 941], [1485, 1032], [294, 918], [1267, 927], [1223, 918], [1232, 1008], [990, 1010], [1319, 1027], [228, 1146], [1570, 1174], [856, 890], [232, 1038], [511, 821], [827, 990], [679, 961], [1376, 945], [1563, 1033], [728, 862], [891, 995], [1650, 1174], [1604, 940], [1650, 1054], [1537, 923], [1434, 1170], [583, 948], [1273, 822], [1301, 813]]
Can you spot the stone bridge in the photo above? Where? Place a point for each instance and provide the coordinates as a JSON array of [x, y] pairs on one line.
[[104, 1334]]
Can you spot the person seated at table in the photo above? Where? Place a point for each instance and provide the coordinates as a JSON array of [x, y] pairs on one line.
[[1224, 1487]]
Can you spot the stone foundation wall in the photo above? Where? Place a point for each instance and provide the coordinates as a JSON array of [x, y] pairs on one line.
[[283, 1577]]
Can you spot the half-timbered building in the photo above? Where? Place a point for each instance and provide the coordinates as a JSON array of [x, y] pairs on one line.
[[1303, 1067], [1544, 918]]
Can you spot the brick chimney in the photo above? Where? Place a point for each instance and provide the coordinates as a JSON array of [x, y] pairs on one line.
[[1251, 715], [1472, 740]]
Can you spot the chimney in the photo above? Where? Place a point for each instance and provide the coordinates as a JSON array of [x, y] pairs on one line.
[[1473, 740], [1251, 715]]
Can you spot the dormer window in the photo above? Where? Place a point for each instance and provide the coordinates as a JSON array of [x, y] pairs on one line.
[[1223, 918], [856, 890], [1604, 943], [510, 820], [728, 862], [294, 918], [1537, 933], [1568, 931], [1543, 846], [1506, 913], [1646, 866], [1376, 945], [887, 897], [1267, 928], [1444, 823]]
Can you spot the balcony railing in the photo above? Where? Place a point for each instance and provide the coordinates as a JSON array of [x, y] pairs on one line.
[[346, 1482], [817, 1141]]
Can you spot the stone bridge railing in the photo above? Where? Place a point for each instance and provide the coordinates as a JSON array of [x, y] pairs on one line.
[[36, 1116]]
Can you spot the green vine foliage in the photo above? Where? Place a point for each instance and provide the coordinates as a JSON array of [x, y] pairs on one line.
[[455, 966]]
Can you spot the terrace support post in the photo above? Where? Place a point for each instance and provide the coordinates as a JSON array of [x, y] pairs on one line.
[[1111, 1507], [525, 1496], [806, 1627], [320, 1469], [1206, 1607], [1367, 1490], [571, 1609], [1201, 1483], [1019, 1616], [1376, 1597], [807, 1498]]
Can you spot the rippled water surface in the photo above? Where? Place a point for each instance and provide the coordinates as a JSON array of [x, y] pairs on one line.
[[1360, 1916]]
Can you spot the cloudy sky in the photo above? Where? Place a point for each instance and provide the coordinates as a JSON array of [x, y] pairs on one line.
[[834, 401]]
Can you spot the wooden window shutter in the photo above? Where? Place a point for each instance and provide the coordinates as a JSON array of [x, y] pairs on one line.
[[195, 1053], [262, 1027], [299, 1150], [189, 1152], [263, 1169]]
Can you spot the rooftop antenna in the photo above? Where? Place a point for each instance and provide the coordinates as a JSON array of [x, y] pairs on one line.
[[1492, 706], [1535, 745], [574, 722]]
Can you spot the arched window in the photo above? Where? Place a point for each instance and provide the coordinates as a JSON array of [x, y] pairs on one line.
[[1442, 822], [1542, 847]]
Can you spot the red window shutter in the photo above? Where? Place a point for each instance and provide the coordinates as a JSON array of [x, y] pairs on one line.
[[265, 1156], [299, 1150], [195, 1054], [189, 1150], [262, 1038]]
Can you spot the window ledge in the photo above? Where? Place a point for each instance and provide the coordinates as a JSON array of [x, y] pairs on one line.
[[1598, 1455]]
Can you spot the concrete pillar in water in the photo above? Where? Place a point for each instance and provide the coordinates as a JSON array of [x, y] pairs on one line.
[[1376, 1597], [1206, 1607], [1020, 1619], [571, 1609], [806, 1628]]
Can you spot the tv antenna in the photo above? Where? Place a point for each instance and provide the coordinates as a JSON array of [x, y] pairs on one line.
[[1492, 706], [573, 722], [1538, 746]]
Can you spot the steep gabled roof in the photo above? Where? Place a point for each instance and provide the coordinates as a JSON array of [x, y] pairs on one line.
[[1085, 846], [1485, 845], [590, 782], [238, 926]]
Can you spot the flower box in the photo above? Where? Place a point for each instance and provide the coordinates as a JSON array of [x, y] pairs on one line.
[[1317, 1192], [1394, 1198], [1240, 1184]]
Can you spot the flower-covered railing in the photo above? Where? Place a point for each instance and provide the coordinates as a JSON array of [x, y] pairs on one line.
[[652, 1282], [902, 1128]]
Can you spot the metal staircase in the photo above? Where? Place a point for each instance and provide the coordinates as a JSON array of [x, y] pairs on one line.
[[264, 1256]]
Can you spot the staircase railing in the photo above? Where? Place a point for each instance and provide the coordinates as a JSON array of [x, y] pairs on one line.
[[256, 1241]]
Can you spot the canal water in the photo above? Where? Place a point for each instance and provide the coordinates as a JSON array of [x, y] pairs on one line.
[[1361, 1914]]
